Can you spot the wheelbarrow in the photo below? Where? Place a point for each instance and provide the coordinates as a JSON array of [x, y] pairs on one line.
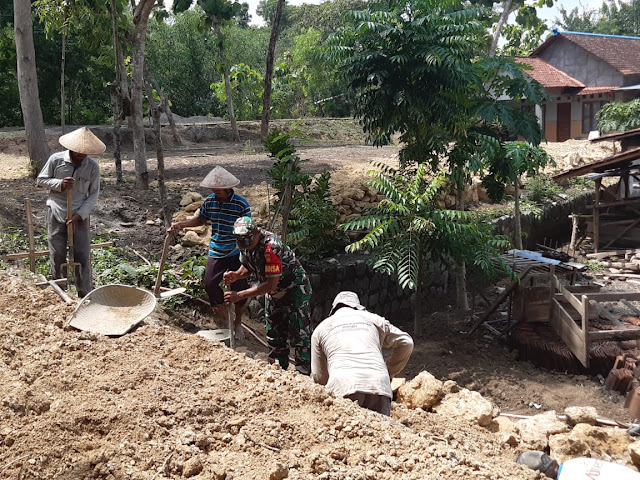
[[115, 309]]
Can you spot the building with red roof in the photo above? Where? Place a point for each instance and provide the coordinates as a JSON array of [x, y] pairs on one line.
[[581, 72]]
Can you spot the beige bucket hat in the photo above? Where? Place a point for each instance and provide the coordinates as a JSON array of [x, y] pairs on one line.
[[350, 299], [83, 141], [219, 178]]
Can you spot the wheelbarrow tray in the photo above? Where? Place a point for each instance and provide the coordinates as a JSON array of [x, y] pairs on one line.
[[113, 309]]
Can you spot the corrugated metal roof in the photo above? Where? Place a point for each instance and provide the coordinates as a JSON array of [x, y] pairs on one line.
[[547, 75]]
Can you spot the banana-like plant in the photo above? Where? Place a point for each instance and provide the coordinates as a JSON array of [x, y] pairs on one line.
[[407, 229]]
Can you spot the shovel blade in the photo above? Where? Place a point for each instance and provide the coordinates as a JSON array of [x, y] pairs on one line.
[[171, 293]]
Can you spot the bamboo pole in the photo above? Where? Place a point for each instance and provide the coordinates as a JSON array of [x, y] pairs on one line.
[[42, 253], [32, 257]]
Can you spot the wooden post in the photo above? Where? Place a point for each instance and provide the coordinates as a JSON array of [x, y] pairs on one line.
[[585, 329], [596, 216], [575, 220], [32, 250]]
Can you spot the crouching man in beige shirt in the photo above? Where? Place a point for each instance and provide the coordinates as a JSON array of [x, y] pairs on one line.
[[346, 353]]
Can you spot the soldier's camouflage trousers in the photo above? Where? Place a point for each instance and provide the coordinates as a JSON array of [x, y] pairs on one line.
[[289, 325]]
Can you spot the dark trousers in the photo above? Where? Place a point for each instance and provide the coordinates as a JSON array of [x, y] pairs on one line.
[[213, 277], [377, 403], [57, 238]]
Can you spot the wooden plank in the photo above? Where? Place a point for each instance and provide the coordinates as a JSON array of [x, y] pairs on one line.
[[583, 288], [603, 335], [618, 203], [630, 306], [613, 253], [573, 313], [611, 162], [596, 216], [42, 253], [614, 296], [586, 339], [569, 297], [569, 332]]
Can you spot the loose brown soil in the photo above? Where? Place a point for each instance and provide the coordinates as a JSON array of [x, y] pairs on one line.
[[162, 403]]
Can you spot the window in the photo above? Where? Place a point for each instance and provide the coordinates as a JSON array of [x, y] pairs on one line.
[[589, 110]]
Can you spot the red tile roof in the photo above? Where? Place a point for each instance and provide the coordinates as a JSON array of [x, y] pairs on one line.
[[592, 90], [622, 53], [547, 75]]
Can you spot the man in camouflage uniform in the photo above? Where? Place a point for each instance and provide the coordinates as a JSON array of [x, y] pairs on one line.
[[286, 288]]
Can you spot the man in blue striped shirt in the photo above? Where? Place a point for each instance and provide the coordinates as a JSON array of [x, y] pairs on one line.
[[221, 208]]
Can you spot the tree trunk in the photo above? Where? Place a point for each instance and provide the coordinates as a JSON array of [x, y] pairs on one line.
[[227, 83], [417, 300], [28, 87], [140, 21], [268, 76], [155, 114], [121, 99], [462, 300], [516, 215], [62, 98], [165, 106], [506, 11]]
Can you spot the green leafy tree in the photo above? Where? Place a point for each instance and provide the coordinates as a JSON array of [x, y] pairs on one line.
[[246, 88], [390, 55], [614, 17], [407, 229], [519, 158], [185, 61], [619, 117], [218, 13], [267, 10]]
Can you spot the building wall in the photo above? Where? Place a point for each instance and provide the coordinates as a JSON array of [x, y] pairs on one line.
[[581, 65]]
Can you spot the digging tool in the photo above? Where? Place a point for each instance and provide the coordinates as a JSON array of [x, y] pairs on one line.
[[71, 263], [231, 318], [163, 259]]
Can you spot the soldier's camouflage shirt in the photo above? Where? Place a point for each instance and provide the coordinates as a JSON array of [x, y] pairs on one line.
[[272, 258]]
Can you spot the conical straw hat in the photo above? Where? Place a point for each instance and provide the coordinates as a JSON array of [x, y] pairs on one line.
[[82, 141], [219, 178]]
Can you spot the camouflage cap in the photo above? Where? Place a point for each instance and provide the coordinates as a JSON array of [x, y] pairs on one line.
[[244, 226]]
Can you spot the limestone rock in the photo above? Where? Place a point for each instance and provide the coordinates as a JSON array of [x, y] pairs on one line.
[[588, 441], [423, 391], [535, 431], [468, 405], [190, 197], [191, 239], [634, 452], [279, 472], [577, 415], [192, 467], [192, 207], [396, 383]]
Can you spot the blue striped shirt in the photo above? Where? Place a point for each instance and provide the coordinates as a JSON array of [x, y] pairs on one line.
[[222, 216]]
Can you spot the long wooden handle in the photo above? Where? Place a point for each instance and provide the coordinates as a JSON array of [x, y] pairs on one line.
[[70, 224], [163, 258]]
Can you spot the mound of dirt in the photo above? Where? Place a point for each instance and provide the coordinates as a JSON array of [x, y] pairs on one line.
[[160, 403]]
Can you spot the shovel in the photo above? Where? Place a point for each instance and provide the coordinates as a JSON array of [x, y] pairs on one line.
[[163, 258], [71, 264]]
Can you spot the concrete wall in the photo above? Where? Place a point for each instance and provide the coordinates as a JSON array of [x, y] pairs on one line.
[[581, 65]]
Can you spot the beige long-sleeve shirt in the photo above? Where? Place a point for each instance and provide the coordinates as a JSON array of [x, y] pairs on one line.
[[346, 352], [86, 187]]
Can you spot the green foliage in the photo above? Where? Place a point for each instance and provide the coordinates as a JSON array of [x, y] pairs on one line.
[[185, 62], [516, 159], [15, 240], [311, 225], [540, 189], [246, 90], [612, 18], [407, 228], [619, 117], [388, 57]]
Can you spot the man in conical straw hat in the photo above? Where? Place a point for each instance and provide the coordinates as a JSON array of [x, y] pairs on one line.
[[221, 208], [73, 170]]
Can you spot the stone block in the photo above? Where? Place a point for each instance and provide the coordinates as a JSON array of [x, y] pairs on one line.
[[468, 405], [423, 391]]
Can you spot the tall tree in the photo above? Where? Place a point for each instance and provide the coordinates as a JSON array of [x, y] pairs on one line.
[[141, 13], [391, 53], [28, 86], [217, 14], [268, 76]]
